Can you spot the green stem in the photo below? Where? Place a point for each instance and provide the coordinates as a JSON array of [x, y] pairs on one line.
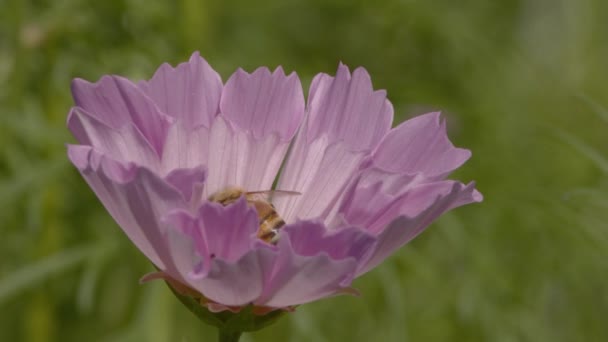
[[228, 335]]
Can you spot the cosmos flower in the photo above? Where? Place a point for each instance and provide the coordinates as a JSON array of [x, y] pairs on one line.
[[350, 190]]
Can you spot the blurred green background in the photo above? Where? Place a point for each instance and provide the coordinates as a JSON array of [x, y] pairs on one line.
[[522, 84]]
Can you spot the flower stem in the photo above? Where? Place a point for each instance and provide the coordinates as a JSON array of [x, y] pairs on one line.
[[228, 335]]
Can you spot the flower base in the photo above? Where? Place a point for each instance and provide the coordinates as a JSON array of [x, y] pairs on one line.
[[230, 324]]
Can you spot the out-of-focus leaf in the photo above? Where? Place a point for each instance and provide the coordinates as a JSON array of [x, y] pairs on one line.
[[30, 178], [594, 155], [34, 274]]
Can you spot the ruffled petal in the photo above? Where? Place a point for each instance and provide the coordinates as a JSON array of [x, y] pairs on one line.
[[409, 214], [416, 152], [368, 194], [183, 249], [249, 139], [217, 252], [125, 143], [237, 283], [189, 92], [236, 158], [189, 182], [134, 196], [314, 263], [420, 145], [219, 232], [370, 206], [346, 120], [263, 103], [116, 102], [310, 238], [348, 109], [320, 173]]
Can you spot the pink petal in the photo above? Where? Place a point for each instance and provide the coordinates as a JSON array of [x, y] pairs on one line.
[[420, 145], [320, 173], [134, 196], [237, 283], [182, 249], [310, 238], [411, 213], [222, 232], [313, 263], [390, 183], [190, 92], [360, 205], [185, 147], [263, 103], [125, 143], [368, 194], [236, 158], [217, 253], [189, 182], [348, 109], [346, 121], [116, 102], [305, 279], [374, 209]]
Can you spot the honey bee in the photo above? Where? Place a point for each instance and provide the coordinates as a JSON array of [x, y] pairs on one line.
[[269, 220]]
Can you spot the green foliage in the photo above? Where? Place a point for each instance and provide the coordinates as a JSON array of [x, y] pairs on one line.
[[522, 84]]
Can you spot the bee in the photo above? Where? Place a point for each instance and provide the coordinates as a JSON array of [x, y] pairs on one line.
[[269, 220]]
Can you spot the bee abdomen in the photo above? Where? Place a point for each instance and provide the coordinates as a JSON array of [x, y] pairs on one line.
[[270, 224]]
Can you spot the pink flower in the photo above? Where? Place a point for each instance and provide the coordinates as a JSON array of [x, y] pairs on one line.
[[155, 151]]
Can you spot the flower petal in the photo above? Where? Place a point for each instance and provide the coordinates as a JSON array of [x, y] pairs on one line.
[[367, 196], [320, 173], [237, 283], [189, 182], [190, 92], [313, 263], [420, 145], [217, 254], [219, 232], [185, 147], [348, 109], [300, 280], [310, 238], [116, 102], [247, 142], [263, 103], [346, 121], [182, 250], [236, 158], [373, 208], [125, 143], [134, 196], [409, 214]]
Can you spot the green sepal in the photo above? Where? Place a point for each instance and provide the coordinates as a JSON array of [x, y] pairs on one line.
[[243, 321], [246, 320]]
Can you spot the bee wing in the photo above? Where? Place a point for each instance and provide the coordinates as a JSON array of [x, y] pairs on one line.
[[269, 194]]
